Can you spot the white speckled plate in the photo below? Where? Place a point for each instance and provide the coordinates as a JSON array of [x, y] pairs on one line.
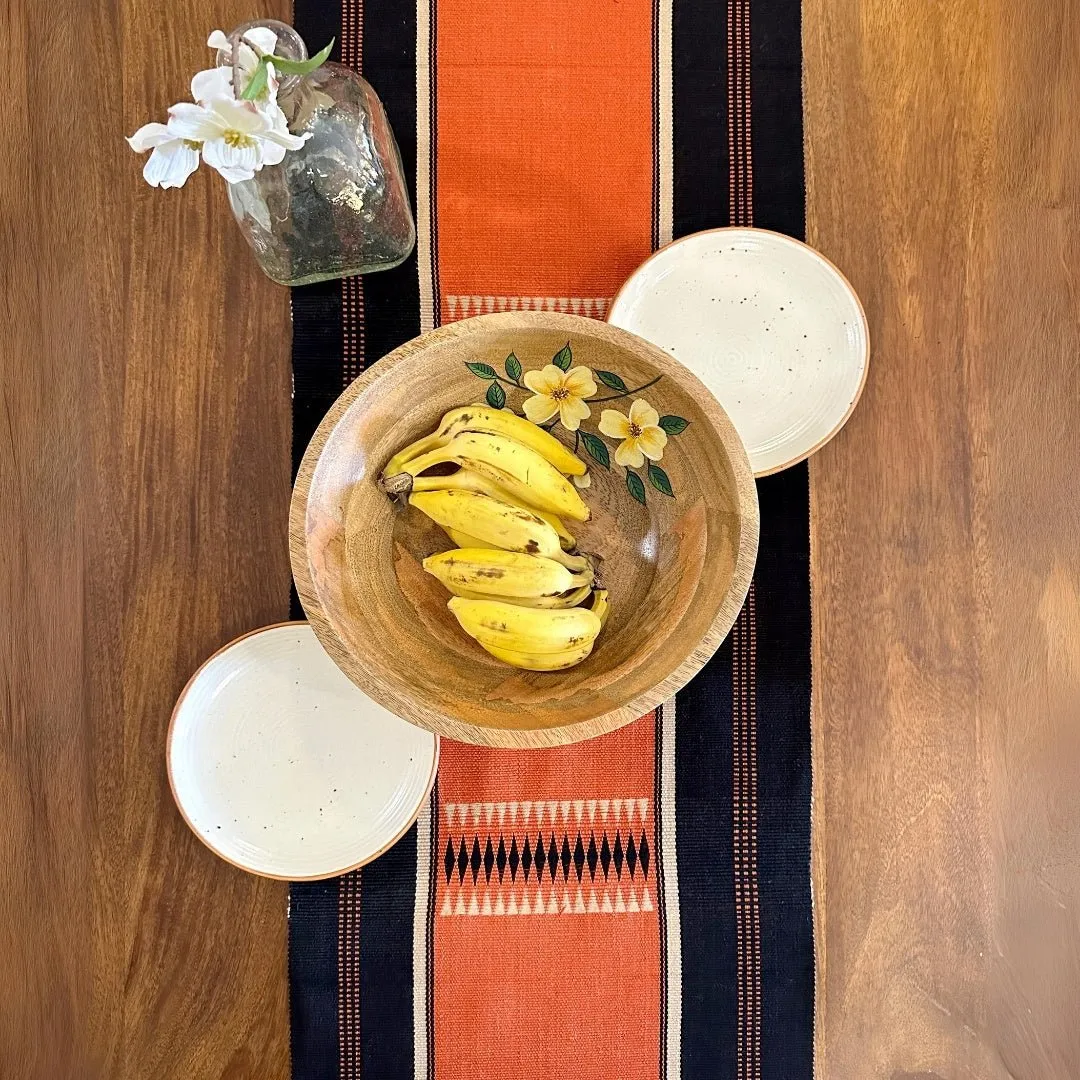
[[770, 326], [283, 767]]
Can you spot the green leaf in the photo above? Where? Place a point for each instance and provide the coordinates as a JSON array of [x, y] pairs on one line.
[[609, 378], [495, 396], [635, 486], [563, 358], [597, 448], [303, 67], [513, 368], [485, 371], [659, 480], [673, 425], [256, 86]]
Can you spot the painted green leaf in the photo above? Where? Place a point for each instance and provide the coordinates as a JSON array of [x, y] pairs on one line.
[[563, 358], [673, 425], [513, 367], [495, 396], [659, 480], [609, 378], [597, 448], [635, 486], [485, 371]]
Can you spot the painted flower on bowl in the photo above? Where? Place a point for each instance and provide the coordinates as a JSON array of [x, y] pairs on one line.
[[640, 432], [561, 392]]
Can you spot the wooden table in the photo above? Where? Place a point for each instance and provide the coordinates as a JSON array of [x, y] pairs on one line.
[[144, 474]]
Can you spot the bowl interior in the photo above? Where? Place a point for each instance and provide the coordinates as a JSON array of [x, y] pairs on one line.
[[677, 567]]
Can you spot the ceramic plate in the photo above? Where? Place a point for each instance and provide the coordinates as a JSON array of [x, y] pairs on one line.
[[770, 326], [283, 767]]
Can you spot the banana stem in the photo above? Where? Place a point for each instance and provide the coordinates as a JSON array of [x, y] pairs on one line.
[[398, 486]]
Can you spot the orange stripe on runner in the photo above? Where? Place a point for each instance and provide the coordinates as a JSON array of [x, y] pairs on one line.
[[580, 971], [545, 149]]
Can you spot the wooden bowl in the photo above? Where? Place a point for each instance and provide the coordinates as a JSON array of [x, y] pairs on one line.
[[678, 542]]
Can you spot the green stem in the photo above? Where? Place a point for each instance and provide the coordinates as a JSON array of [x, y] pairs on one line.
[[627, 393]]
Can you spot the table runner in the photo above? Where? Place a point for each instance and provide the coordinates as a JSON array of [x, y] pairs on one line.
[[637, 905]]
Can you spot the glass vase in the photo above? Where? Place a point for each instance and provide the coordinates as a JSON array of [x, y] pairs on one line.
[[338, 205]]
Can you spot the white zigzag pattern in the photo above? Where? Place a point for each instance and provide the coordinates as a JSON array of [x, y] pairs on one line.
[[560, 900], [549, 813], [463, 307]]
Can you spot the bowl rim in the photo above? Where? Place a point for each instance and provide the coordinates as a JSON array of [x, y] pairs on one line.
[[690, 238], [423, 714]]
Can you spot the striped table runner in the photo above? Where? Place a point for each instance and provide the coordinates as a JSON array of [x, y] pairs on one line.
[[639, 905]]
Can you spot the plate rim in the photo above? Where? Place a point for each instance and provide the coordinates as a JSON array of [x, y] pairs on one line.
[[221, 855], [795, 242]]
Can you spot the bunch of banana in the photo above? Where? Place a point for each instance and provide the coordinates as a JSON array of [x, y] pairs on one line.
[[520, 588]]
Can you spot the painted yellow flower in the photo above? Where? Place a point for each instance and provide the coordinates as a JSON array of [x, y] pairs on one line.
[[641, 434], [558, 391]]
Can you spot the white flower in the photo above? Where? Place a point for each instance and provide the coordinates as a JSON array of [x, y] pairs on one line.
[[237, 138], [173, 159], [216, 82]]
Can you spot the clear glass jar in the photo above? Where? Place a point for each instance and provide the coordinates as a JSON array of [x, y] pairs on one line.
[[338, 205]]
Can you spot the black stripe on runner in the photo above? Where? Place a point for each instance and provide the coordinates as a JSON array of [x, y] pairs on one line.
[[317, 349], [704, 851], [387, 899], [782, 588], [313, 979], [392, 297], [699, 115], [777, 136]]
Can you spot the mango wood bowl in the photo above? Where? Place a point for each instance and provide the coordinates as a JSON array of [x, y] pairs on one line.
[[677, 541]]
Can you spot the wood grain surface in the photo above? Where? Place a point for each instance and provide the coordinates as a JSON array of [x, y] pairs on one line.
[[144, 482], [944, 174]]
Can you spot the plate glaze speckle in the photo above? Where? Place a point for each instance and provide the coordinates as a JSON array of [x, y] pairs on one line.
[[770, 326], [283, 767]]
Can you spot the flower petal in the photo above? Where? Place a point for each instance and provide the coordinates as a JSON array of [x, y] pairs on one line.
[[212, 83], [218, 39], [652, 441], [545, 381], [579, 381], [242, 116], [627, 453], [643, 414], [170, 164], [263, 38], [582, 481], [188, 121], [613, 424], [572, 411], [149, 136], [540, 409], [235, 163]]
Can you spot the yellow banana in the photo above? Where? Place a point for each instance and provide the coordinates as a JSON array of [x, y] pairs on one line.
[[503, 422], [398, 462], [600, 606], [525, 630], [464, 540], [548, 488], [500, 573], [541, 661], [490, 521], [471, 480], [563, 600]]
